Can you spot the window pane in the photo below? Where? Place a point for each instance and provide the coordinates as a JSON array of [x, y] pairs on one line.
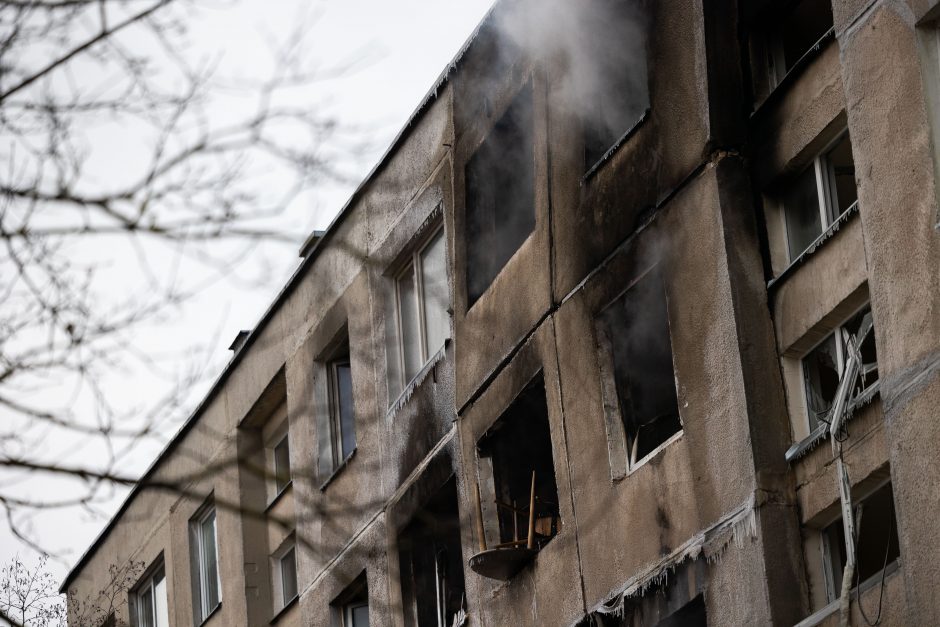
[[358, 616], [801, 204], [821, 375], [344, 398], [282, 464], [410, 333], [161, 611], [210, 565], [436, 293], [145, 608], [842, 174], [289, 576]]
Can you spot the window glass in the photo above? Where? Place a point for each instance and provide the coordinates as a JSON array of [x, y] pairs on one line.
[[145, 608], [344, 398], [282, 464], [161, 611], [211, 567], [358, 616], [436, 293], [821, 373], [288, 576], [408, 315], [842, 176], [801, 204]]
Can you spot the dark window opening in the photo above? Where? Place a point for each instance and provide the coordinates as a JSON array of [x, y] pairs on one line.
[[342, 412], [431, 563], [655, 609], [823, 367], [500, 195], [351, 607], [795, 33], [635, 329], [519, 446], [281, 465], [618, 95], [876, 543]]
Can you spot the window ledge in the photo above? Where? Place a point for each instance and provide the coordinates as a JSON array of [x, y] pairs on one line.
[[652, 454], [613, 149], [280, 613], [215, 610], [812, 248], [801, 64], [278, 496], [336, 471], [416, 382], [821, 615], [821, 433]]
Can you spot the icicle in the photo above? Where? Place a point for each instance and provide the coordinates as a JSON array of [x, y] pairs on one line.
[[409, 390]]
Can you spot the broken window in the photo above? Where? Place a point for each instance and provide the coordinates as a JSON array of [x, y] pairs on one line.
[[794, 33], [614, 90], [636, 350], [517, 473], [281, 456], [149, 602], [823, 366], [432, 564], [819, 196], [422, 300], [500, 195], [351, 607], [876, 542]]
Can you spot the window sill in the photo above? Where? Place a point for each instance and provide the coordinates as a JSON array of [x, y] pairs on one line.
[[277, 497], [402, 399], [336, 471], [632, 468], [280, 613], [209, 616], [833, 607], [613, 149], [821, 432], [790, 77], [825, 236]]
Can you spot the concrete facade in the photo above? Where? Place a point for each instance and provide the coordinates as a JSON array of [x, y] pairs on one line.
[[737, 509]]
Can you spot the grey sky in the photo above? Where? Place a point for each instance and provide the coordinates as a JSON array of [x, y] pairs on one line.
[[400, 48]]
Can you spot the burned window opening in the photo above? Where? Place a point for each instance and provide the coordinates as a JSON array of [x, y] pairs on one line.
[[431, 563], [633, 333], [517, 454], [876, 542], [823, 366], [794, 33], [617, 98], [500, 195]]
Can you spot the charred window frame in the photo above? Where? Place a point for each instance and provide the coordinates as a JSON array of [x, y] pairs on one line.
[[637, 374], [284, 573], [516, 467], [351, 607], [431, 562], [149, 606], [617, 97], [823, 365], [204, 558], [788, 37], [500, 194], [877, 548], [422, 305]]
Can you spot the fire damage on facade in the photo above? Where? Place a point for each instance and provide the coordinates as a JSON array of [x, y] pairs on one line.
[[636, 323]]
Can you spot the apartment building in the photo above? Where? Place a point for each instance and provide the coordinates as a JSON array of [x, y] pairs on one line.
[[636, 321]]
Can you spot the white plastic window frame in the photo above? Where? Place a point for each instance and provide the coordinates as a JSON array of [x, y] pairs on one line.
[[283, 439], [200, 556], [277, 573], [412, 268], [149, 583]]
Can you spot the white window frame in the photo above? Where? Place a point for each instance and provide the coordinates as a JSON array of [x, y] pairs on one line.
[[201, 587], [335, 408], [348, 612], [149, 583], [412, 267], [826, 195], [287, 547]]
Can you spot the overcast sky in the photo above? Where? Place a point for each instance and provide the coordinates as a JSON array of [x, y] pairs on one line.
[[400, 48]]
